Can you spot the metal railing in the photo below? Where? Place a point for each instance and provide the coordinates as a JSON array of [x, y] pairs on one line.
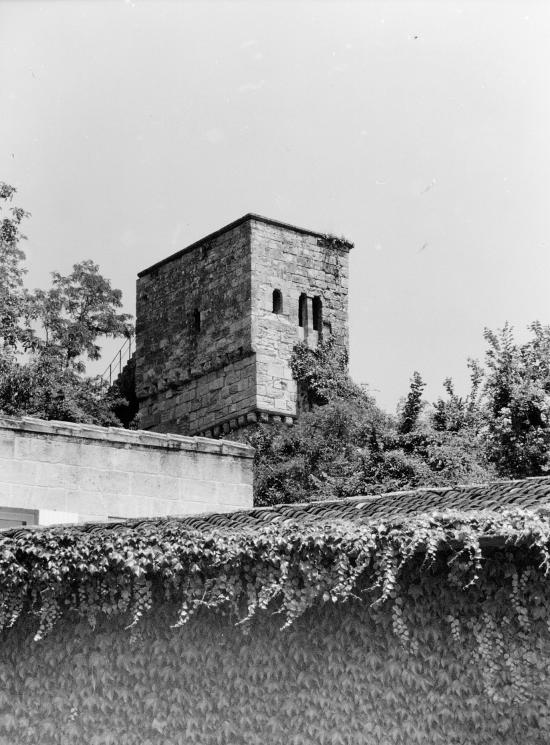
[[115, 367]]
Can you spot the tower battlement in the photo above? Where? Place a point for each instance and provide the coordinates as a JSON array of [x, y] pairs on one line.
[[217, 322]]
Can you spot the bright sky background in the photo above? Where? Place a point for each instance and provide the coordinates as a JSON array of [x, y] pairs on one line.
[[419, 130]]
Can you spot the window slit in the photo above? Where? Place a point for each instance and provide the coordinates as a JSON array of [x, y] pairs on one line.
[[317, 314], [277, 302], [302, 310]]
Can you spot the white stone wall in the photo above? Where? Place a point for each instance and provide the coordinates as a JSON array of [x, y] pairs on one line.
[[97, 473]]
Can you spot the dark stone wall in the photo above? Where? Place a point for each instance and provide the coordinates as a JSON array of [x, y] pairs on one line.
[[182, 371]]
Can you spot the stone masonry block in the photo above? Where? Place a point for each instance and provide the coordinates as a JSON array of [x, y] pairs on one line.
[[17, 471], [56, 474], [154, 485], [17, 494], [31, 447], [181, 465], [7, 445], [36, 497], [105, 482], [207, 492], [137, 460]]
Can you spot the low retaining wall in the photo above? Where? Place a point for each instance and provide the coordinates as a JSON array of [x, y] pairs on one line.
[[56, 472]]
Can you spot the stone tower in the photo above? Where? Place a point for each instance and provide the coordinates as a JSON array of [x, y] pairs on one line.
[[217, 322]]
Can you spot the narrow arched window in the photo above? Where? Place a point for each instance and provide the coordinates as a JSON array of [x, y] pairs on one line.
[[302, 310], [317, 307], [277, 301], [196, 320]]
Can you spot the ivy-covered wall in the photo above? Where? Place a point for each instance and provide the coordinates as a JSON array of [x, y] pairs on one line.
[[349, 622], [341, 674]]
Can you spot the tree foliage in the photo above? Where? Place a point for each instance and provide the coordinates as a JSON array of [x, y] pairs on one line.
[[344, 444], [46, 335], [410, 412], [517, 401], [77, 310], [45, 387], [15, 307]]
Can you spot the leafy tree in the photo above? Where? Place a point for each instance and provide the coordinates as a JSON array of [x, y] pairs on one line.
[[46, 388], [413, 405], [46, 335], [444, 436], [330, 452], [502, 426], [77, 310], [15, 312], [516, 401], [457, 413], [345, 445]]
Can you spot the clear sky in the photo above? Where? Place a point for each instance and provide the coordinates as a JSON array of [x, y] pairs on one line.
[[419, 130]]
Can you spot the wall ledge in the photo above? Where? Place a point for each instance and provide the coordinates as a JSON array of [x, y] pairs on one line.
[[120, 437]]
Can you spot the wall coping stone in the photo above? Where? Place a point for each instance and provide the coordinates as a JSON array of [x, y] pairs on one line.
[[235, 224], [125, 437]]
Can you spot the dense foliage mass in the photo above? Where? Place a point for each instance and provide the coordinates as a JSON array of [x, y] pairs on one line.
[[291, 563], [338, 677], [413, 632], [344, 444], [45, 335], [517, 401]]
